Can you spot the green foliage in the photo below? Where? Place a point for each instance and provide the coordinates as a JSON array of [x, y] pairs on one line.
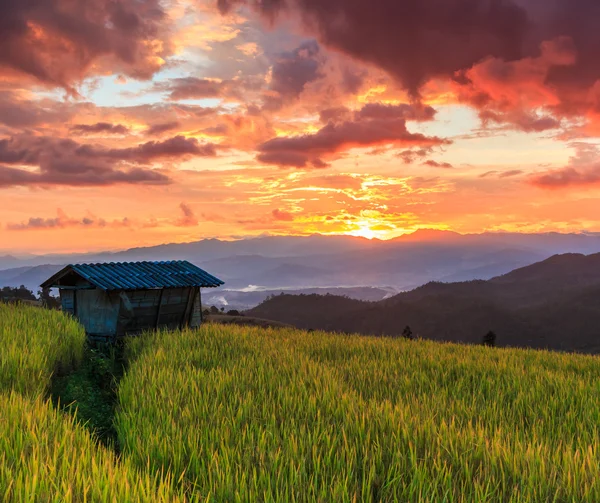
[[10, 294], [489, 339], [90, 391], [242, 414]]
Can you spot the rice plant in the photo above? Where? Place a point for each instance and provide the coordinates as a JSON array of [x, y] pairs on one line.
[[45, 455], [35, 343], [242, 414]]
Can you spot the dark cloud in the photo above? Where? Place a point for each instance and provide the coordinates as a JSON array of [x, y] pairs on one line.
[[370, 126], [100, 127], [436, 164], [192, 88], [403, 111], [157, 129], [510, 58], [58, 42], [66, 162], [414, 40], [334, 114], [568, 177], [412, 155], [61, 221], [291, 72], [87, 175], [176, 147]]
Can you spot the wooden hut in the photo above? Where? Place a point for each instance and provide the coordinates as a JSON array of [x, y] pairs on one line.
[[115, 299]]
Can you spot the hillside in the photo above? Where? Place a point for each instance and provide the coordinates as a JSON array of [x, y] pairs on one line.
[[252, 414], [551, 304]]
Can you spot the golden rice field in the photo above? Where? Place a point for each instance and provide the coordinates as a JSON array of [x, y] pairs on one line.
[[230, 413], [45, 456], [245, 414]]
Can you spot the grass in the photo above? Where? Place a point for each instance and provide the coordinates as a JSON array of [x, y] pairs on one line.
[[36, 343], [47, 456], [242, 414]]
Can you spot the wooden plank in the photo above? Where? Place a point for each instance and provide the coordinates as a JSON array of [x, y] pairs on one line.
[[160, 298], [185, 318]]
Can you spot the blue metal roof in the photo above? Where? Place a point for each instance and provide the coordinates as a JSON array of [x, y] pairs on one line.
[[139, 275]]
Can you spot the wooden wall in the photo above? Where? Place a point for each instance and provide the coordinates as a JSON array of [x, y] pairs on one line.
[[119, 313], [97, 311]]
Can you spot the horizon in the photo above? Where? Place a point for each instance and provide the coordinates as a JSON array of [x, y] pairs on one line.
[[21, 255], [180, 120]]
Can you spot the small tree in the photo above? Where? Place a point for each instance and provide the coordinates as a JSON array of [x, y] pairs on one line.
[[489, 339], [407, 333]]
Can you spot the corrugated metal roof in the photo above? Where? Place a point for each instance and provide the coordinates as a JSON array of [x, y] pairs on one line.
[[140, 275]]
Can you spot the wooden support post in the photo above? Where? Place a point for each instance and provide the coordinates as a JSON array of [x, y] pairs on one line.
[[189, 308], [160, 297]]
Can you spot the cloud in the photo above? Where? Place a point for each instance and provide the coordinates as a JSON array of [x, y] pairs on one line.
[[510, 173], [188, 217], [63, 221], [583, 170], [192, 88], [66, 162], [413, 40], [282, 216], [59, 43], [528, 64], [291, 73], [370, 126], [99, 127], [157, 129], [436, 164]]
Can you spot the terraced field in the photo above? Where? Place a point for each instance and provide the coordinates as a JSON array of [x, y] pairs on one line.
[[232, 413]]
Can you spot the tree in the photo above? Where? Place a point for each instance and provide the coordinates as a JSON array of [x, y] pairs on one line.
[[489, 339], [48, 300], [407, 333], [214, 310]]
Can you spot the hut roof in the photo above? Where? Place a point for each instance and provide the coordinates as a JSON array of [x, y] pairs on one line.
[[138, 275]]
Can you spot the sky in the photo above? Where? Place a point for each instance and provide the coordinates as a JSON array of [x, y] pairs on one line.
[[129, 123]]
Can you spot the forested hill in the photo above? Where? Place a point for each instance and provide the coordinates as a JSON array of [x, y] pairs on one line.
[[553, 304]]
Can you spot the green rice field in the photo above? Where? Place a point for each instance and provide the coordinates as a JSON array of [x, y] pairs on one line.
[[240, 414]]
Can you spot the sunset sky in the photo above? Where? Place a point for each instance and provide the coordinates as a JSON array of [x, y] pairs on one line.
[[138, 122]]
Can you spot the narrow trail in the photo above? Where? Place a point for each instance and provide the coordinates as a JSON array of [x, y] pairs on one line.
[[89, 392]]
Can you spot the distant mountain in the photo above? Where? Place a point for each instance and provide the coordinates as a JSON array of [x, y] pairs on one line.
[[30, 277], [294, 262], [243, 300], [551, 304]]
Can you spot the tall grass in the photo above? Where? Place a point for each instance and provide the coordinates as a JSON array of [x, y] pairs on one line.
[[241, 414], [34, 343], [46, 456]]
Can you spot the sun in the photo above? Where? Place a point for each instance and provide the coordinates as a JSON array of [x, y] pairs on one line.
[[364, 231]]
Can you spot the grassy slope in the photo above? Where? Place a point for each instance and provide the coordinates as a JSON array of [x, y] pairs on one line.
[[243, 414], [46, 456]]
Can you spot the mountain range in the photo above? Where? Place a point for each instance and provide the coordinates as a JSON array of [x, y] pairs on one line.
[[276, 263], [552, 304]]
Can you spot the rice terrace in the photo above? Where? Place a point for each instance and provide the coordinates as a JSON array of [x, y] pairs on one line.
[[234, 413]]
